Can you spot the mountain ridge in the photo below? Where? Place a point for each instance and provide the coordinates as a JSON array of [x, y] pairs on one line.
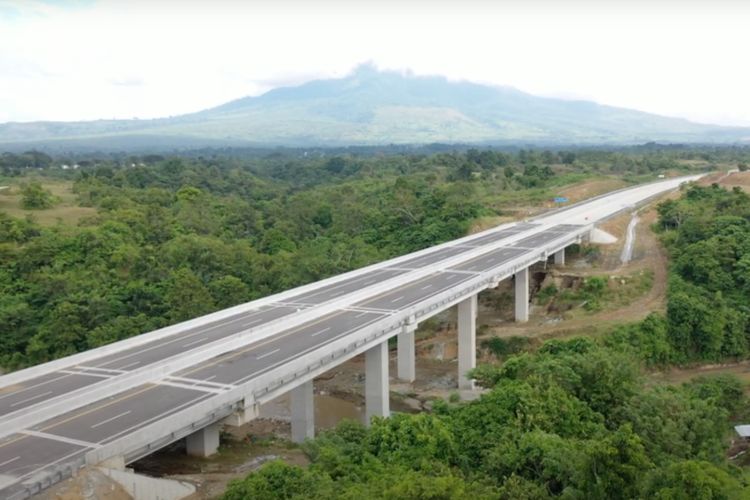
[[371, 107]]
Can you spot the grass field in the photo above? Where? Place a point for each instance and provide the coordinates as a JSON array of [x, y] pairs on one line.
[[65, 210]]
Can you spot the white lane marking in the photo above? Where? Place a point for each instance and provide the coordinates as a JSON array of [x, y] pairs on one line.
[[268, 354], [397, 299], [111, 419], [199, 381], [491, 260], [191, 387], [172, 410], [320, 331], [193, 342], [95, 369], [63, 439], [129, 365], [155, 344], [360, 315], [32, 398], [197, 384], [32, 386], [426, 287], [368, 282], [9, 461], [344, 283], [253, 322], [452, 276], [303, 352], [87, 374]]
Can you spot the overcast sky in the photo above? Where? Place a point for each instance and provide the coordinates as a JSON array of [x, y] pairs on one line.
[[89, 59]]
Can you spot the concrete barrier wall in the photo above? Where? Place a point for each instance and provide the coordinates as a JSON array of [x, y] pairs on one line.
[[142, 487]]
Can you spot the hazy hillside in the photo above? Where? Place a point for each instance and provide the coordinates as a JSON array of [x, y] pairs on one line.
[[371, 107]]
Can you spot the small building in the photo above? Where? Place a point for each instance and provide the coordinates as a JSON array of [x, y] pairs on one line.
[[743, 431]]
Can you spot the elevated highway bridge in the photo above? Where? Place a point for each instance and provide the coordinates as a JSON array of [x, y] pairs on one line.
[[120, 402]]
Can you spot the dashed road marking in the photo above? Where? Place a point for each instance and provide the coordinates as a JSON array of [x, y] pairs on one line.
[[130, 364], [32, 398], [111, 419], [268, 354], [194, 342], [320, 331], [9, 461]]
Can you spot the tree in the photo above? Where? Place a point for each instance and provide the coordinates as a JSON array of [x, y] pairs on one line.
[[187, 297], [277, 480], [35, 197], [693, 480], [229, 291]]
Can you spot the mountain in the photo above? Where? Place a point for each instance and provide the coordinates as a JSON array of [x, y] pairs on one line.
[[371, 107]]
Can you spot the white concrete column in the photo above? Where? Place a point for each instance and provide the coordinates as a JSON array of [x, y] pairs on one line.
[[467, 340], [560, 257], [407, 370], [303, 412], [205, 442], [376, 382], [522, 296]]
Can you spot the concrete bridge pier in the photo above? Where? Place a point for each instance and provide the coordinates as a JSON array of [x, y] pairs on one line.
[[560, 257], [467, 341], [303, 412], [377, 403], [406, 363], [522, 295], [205, 442], [242, 416]]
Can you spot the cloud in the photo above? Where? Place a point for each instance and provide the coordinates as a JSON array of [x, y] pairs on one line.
[[127, 81], [87, 60]]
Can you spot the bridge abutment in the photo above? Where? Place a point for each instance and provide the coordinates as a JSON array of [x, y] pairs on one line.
[[377, 403], [467, 341], [303, 412]]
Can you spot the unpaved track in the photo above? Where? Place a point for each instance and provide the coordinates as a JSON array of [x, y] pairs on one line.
[[627, 249], [648, 255]]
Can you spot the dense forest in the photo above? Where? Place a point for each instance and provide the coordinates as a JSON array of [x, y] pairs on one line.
[[173, 238], [574, 419], [707, 234]]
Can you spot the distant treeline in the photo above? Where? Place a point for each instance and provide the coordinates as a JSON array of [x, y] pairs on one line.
[[649, 156]]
